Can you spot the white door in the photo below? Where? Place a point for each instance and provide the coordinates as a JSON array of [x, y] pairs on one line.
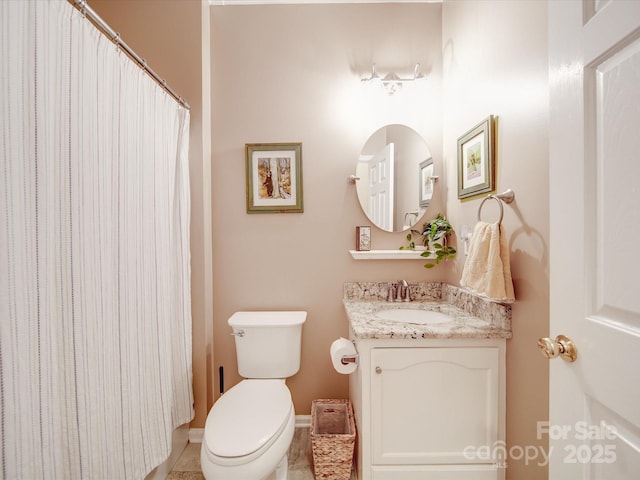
[[381, 191], [594, 169]]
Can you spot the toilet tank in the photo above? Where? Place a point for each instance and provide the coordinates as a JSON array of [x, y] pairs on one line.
[[268, 344]]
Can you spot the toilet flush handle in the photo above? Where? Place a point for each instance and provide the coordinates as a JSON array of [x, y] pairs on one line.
[[239, 333]]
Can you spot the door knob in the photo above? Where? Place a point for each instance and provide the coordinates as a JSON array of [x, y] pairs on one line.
[[561, 346]]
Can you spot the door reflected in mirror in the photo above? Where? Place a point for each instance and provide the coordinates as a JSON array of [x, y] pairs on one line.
[[395, 178]]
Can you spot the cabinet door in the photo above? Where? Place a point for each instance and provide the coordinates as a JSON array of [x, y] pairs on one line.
[[434, 405]]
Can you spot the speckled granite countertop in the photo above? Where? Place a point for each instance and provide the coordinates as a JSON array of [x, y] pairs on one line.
[[474, 317]]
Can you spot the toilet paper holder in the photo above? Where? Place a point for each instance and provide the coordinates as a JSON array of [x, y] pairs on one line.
[[347, 359]]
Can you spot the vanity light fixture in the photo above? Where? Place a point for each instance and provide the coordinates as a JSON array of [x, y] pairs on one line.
[[392, 82]]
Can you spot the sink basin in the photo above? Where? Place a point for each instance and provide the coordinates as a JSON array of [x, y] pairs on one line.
[[409, 315]]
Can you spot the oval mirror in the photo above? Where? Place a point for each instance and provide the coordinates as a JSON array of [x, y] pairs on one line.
[[395, 178]]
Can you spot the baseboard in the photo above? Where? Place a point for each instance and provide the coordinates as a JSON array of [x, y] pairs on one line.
[[303, 421], [196, 434]]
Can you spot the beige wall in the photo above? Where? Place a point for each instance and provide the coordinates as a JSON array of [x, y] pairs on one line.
[[292, 74], [495, 62]]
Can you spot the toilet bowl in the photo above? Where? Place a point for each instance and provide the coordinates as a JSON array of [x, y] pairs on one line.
[[248, 432], [250, 428]]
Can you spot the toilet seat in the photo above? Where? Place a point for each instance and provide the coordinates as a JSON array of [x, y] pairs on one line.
[[247, 420]]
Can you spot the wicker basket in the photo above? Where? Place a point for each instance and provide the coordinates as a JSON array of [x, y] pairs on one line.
[[333, 435]]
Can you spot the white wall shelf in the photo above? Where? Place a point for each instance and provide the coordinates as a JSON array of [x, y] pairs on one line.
[[388, 255]]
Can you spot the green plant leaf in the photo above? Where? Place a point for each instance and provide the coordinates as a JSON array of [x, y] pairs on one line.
[[434, 237]]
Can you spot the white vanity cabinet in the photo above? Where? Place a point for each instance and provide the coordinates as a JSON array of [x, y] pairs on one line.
[[430, 409]]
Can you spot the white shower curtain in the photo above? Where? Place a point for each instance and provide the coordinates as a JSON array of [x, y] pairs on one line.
[[95, 314]]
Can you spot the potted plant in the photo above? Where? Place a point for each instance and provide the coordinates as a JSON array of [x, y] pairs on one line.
[[434, 235]]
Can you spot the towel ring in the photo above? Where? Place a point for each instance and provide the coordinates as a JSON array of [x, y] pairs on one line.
[[507, 196], [499, 204]]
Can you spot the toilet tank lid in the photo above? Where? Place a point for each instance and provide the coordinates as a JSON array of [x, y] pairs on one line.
[[267, 319]]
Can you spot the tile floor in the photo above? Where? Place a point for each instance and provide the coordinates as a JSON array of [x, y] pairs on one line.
[[188, 465]]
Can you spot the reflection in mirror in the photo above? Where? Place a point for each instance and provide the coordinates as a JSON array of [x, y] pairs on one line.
[[395, 178]]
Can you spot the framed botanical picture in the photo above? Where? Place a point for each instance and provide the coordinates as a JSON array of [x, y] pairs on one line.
[[274, 177], [476, 166], [425, 174]]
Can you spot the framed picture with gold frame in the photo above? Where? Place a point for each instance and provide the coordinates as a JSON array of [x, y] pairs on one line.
[[274, 177], [476, 165]]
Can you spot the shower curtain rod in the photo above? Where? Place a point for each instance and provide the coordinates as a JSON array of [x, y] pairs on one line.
[[86, 10]]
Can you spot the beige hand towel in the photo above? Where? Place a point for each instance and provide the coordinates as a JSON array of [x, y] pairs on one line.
[[487, 271]]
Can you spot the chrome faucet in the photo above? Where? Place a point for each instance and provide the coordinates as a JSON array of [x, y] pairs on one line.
[[391, 293], [399, 292], [402, 292]]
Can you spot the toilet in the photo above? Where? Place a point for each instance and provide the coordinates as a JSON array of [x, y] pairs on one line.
[[250, 428]]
